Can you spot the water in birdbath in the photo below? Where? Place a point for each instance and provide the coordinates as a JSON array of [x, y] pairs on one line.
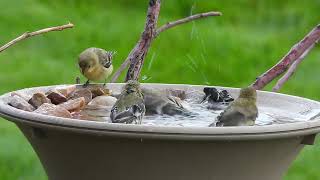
[[77, 103], [203, 116]]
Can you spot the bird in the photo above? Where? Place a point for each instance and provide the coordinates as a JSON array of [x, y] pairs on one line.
[[157, 102], [211, 95], [129, 107], [95, 64], [217, 100], [241, 112]]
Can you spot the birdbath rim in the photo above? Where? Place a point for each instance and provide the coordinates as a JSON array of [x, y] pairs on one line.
[[165, 132]]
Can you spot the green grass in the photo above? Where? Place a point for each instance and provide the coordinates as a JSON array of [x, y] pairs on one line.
[[230, 50]]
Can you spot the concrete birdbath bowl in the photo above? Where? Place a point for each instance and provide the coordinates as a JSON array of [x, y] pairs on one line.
[[79, 149]]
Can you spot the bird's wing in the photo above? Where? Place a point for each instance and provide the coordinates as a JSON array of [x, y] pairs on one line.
[[139, 110], [122, 117], [230, 117], [129, 115], [105, 58], [175, 100]]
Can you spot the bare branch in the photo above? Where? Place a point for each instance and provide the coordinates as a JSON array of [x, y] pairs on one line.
[[169, 25], [141, 49], [30, 34], [186, 20], [295, 52], [290, 71]]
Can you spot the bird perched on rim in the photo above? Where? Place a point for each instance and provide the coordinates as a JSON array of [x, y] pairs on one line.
[[157, 102], [129, 108], [95, 64], [217, 100], [242, 111]]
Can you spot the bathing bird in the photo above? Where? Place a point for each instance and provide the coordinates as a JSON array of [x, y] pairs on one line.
[[95, 64], [241, 112], [217, 100], [157, 102], [129, 108]]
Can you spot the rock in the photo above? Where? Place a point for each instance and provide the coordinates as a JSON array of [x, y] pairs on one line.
[[74, 104], [56, 97], [103, 101], [19, 103], [23, 96], [81, 116], [76, 115], [98, 91], [81, 93], [96, 113], [38, 99], [53, 110], [67, 90]]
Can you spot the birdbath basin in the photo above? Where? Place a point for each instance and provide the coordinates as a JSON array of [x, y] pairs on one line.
[[79, 149]]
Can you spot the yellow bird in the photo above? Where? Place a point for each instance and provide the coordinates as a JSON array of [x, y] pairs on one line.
[[241, 112], [96, 64]]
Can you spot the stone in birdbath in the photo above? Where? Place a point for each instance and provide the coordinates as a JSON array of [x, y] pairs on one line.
[[53, 110], [38, 99]]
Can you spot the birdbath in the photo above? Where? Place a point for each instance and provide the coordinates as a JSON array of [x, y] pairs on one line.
[[79, 149]]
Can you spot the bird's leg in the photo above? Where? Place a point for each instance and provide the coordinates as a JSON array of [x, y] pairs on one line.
[[77, 80], [86, 84], [105, 82]]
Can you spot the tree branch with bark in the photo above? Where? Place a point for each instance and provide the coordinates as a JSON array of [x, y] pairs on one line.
[[291, 59], [35, 33]]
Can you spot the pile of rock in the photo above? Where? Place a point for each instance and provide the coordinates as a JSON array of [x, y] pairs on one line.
[[91, 103]]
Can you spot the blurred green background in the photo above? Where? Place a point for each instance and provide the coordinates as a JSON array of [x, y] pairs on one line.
[[230, 50]]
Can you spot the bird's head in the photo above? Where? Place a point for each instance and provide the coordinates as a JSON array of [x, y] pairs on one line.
[[248, 92], [132, 86], [210, 92], [87, 60]]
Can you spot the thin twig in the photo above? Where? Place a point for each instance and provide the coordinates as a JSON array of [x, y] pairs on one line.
[[295, 52], [186, 20], [290, 71], [30, 34], [168, 25]]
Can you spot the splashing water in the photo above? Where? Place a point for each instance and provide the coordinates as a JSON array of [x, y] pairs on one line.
[[146, 78], [151, 61], [205, 117]]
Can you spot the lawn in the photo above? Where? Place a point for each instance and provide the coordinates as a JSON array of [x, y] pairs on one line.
[[231, 50]]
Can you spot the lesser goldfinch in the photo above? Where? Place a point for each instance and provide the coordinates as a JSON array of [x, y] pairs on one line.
[[157, 102], [95, 64], [217, 100], [129, 108], [241, 112]]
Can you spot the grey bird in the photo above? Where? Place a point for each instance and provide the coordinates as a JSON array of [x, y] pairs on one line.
[[96, 64], [242, 112], [129, 108], [157, 102]]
